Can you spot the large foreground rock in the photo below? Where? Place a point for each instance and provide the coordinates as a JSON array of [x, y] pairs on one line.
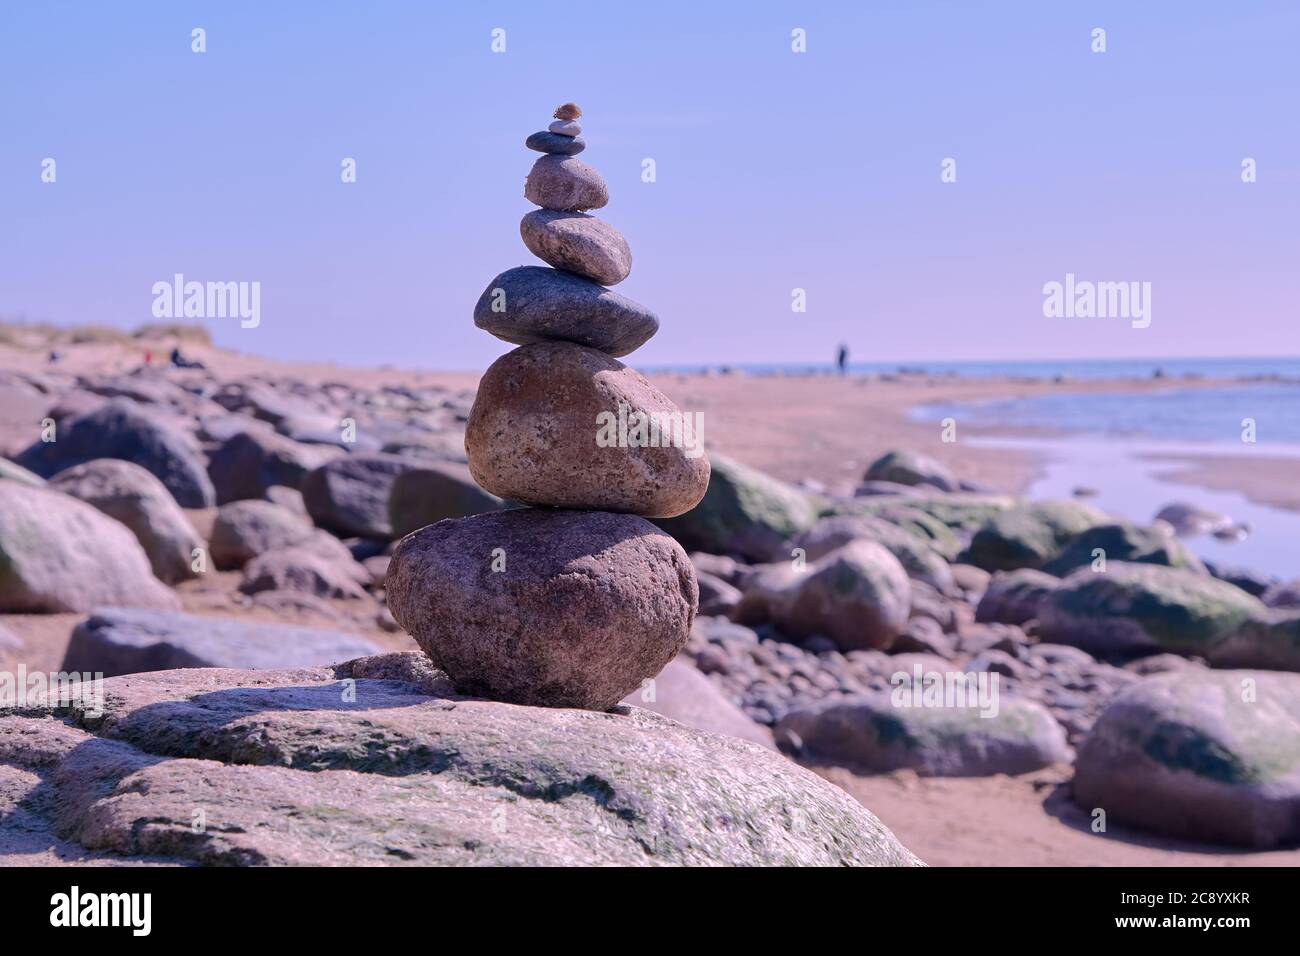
[[379, 762], [127, 493], [122, 429], [553, 424], [116, 641], [61, 554], [872, 733], [557, 608], [1135, 608], [1207, 755], [857, 595], [744, 512]]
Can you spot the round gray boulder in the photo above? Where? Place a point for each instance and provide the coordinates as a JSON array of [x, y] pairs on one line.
[[243, 530], [127, 493], [857, 595], [61, 554], [349, 496]]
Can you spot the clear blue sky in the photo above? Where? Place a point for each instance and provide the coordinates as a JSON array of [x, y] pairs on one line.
[[775, 170]]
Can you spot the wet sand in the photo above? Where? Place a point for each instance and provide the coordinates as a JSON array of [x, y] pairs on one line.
[[1272, 480]]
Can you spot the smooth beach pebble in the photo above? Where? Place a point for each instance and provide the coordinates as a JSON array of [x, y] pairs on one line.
[[566, 184], [535, 435], [578, 610], [565, 128], [536, 304], [578, 243], [544, 142]]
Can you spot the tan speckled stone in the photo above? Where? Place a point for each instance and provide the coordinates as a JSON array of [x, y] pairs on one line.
[[579, 243], [532, 435]]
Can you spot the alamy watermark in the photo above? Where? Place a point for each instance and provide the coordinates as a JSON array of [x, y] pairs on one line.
[[1075, 299], [21, 689], [942, 689], [629, 429], [179, 299]]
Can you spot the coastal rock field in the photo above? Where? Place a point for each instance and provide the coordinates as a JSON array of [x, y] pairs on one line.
[[256, 613], [824, 619]]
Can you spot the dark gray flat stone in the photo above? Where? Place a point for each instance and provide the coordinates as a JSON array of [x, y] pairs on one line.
[[118, 641]]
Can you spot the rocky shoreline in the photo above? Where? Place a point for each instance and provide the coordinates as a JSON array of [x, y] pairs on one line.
[[241, 555]]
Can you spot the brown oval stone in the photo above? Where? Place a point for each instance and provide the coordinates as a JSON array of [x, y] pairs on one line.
[[555, 424], [543, 607], [565, 183], [579, 243]]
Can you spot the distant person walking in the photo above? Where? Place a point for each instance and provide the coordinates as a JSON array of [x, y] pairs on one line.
[[842, 359]]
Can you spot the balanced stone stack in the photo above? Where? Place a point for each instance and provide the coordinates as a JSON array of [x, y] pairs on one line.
[[575, 599]]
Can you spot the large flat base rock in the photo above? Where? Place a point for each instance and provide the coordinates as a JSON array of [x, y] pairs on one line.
[[379, 762]]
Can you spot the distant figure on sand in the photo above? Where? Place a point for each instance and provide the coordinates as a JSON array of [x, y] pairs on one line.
[[842, 359], [180, 361]]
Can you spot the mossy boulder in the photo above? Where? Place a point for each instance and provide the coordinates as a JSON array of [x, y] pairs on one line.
[[1140, 608], [963, 511], [1270, 641], [1013, 597], [908, 468], [917, 558], [878, 734], [744, 512], [1030, 535], [1202, 754], [1121, 541], [921, 524]]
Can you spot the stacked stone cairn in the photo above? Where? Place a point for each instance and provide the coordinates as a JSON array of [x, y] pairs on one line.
[[574, 599]]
